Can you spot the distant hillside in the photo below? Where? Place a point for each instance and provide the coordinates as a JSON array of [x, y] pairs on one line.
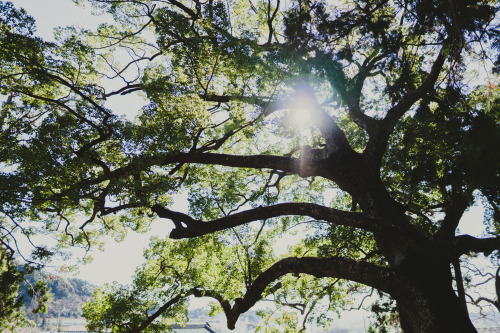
[[69, 294]]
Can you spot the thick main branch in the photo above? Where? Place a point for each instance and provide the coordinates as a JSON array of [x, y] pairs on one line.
[[282, 163], [187, 227], [466, 243]]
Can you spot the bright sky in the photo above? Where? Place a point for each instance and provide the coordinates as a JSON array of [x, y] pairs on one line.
[[118, 261], [53, 13]]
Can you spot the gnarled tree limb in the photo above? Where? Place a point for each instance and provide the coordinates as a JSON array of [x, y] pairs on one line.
[[336, 267], [187, 227]]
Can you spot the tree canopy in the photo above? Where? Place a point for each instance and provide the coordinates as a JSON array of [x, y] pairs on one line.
[[367, 127]]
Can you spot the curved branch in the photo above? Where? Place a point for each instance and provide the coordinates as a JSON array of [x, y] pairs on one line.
[[187, 227], [336, 267]]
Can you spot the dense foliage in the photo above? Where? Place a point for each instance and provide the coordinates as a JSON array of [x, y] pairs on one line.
[[367, 128]]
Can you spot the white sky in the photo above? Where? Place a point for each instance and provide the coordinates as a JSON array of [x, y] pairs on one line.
[[118, 261], [53, 13]]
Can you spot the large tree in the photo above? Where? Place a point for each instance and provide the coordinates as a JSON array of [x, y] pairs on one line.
[[370, 126]]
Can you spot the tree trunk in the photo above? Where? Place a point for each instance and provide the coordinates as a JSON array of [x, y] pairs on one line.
[[429, 304], [433, 314]]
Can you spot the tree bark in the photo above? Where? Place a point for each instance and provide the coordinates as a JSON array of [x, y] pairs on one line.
[[433, 310], [427, 301]]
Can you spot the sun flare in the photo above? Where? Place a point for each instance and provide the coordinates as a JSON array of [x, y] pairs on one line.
[[301, 108], [299, 117]]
